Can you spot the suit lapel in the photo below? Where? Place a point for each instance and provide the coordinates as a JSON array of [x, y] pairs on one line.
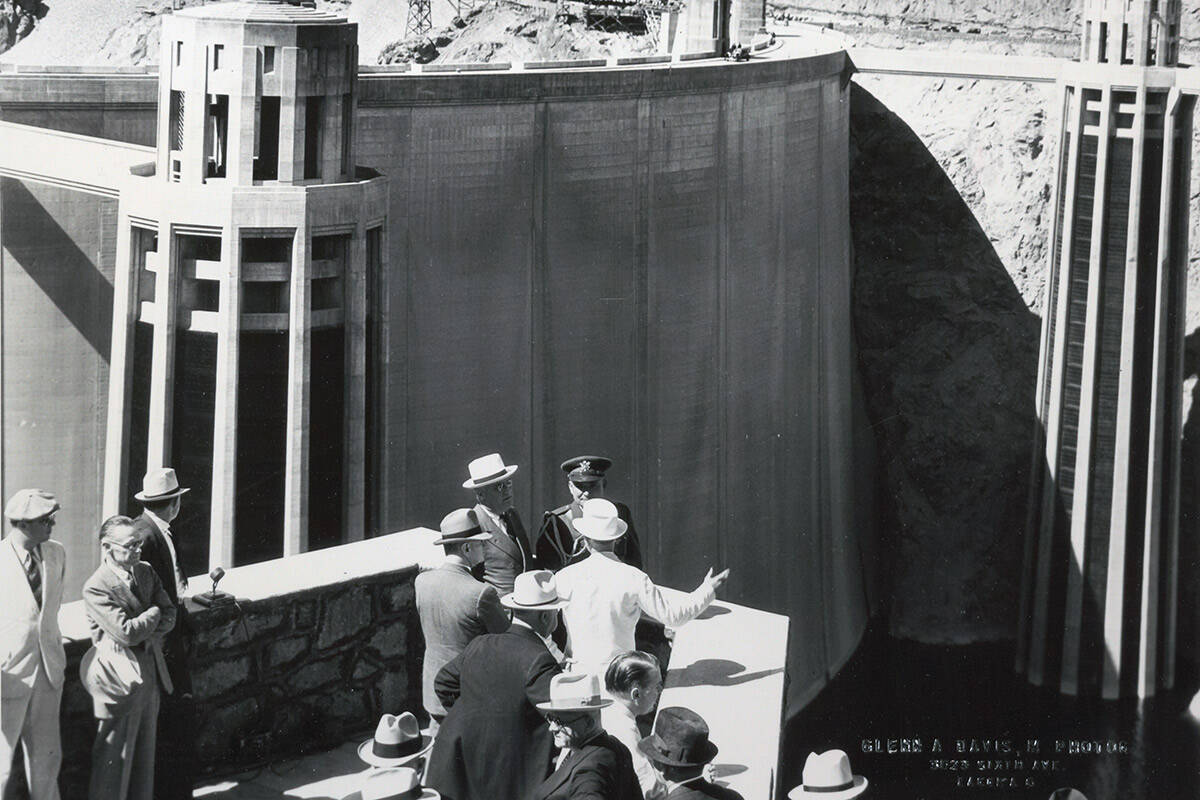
[[16, 574], [500, 539], [562, 774], [123, 593]]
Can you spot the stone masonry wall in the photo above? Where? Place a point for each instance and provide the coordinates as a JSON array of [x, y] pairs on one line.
[[277, 677]]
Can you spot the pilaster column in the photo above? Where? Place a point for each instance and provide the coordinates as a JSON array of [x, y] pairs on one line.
[[355, 326], [162, 363], [225, 405], [120, 367], [296, 453]]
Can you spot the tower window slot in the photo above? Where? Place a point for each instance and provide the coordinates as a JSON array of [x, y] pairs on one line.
[[218, 51], [266, 140], [176, 127], [313, 107], [269, 59], [1103, 42], [218, 134]]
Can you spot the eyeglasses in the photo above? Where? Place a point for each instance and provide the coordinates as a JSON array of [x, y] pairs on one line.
[[561, 721], [503, 485], [136, 547]]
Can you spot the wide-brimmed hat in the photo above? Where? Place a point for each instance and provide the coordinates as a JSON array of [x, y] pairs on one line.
[[599, 521], [679, 739], [586, 469], [397, 740], [575, 691], [535, 590], [30, 504], [160, 484], [487, 470], [396, 783], [827, 776], [461, 525]]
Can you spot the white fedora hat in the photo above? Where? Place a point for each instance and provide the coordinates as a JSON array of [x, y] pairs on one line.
[[160, 484], [487, 470], [575, 691], [396, 783], [397, 740], [827, 776], [599, 521], [535, 590]]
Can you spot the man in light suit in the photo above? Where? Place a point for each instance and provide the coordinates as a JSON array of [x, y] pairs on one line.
[[175, 759], [605, 598], [32, 569], [507, 553], [454, 607], [126, 602]]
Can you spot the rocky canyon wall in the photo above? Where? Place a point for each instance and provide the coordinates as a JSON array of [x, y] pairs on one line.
[[950, 211]]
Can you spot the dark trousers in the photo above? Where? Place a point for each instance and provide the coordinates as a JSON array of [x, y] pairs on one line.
[[175, 754]]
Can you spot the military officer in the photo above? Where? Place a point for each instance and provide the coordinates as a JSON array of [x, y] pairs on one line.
[[558, 543]]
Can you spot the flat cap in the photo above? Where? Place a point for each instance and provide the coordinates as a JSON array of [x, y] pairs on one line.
[[30, 504]]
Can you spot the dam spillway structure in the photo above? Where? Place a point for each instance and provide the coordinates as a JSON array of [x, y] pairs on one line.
[[1099, 590], [240, 291]]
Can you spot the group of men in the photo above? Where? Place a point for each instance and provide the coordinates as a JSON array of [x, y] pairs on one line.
[[136, 671], [495, 683]]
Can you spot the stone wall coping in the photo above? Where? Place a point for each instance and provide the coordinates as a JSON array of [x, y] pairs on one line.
[[406, 550], [728, 667]]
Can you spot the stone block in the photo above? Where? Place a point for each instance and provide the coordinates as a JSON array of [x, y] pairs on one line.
[[305, 614], [390, 639], [344, 616], [394, 694], [397, 598], [317, 674], [365, 670], [214, 679], [283, 653], [218, 728]]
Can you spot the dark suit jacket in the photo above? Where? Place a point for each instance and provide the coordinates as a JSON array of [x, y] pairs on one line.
[[557, 537], [493, 744], [600, 770], [506, 554], [454, 608], [178, 644], [703, 790]]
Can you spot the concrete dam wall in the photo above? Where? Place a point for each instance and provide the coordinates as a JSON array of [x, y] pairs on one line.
[[652, 264]]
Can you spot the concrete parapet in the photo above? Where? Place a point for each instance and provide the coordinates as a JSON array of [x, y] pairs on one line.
[[316, 649]]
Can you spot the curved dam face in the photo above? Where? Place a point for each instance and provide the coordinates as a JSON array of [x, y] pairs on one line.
[[652, 264]]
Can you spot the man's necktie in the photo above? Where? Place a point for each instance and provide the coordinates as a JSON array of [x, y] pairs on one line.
[[34, 575]]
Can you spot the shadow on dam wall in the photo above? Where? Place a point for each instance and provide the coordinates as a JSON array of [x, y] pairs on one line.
[[948, 353]]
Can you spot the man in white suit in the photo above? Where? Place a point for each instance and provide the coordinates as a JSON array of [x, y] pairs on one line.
[[32, 658], [607, 598]]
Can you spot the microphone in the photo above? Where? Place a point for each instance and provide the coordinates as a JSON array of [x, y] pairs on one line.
[[215, 598]]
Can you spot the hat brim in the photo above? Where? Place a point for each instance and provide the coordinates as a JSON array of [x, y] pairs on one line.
[[142, 497], [426, 794], [574, 705], [365, 753], [651, 752], [800, 793], [478, 537], [508, 602], [584, 527], [509, 470]]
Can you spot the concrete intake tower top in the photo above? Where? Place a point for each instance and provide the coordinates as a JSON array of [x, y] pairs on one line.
[[1142, 33], [257, 92]]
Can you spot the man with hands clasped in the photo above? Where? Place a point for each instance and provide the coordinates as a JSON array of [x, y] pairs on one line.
[[129, 613]]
